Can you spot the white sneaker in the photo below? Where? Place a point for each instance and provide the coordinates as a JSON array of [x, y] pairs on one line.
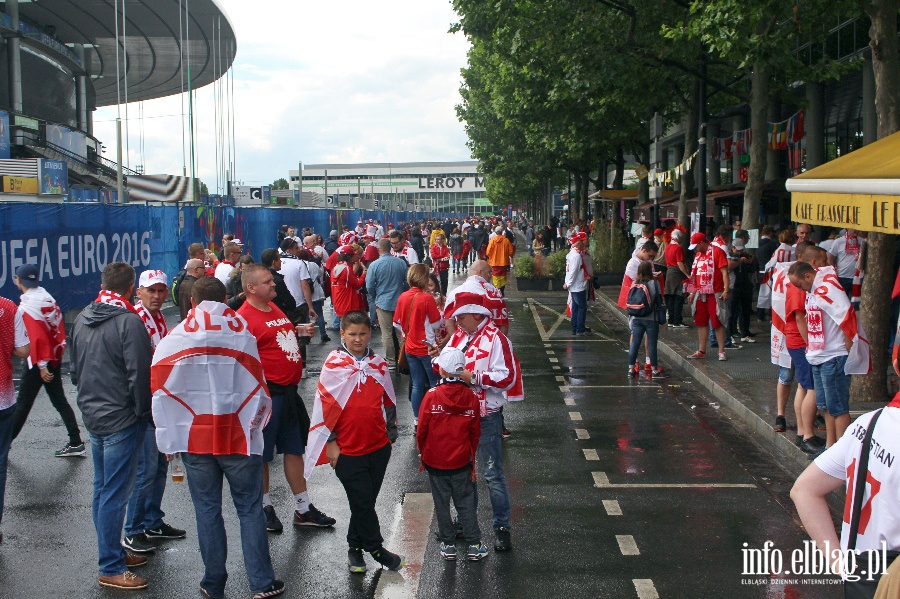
[[722, 357], [748, 340]]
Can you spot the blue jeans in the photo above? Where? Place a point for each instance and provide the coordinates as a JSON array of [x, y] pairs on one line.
[[144, 508], [319, 307], [336, 321], [6, 427], [116, 458], [832, 386], [244, 474], [579, 310], [490, 457], [423, 378], [639, 326]]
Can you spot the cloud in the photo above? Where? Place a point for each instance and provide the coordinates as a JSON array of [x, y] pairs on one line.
[[338, 81]]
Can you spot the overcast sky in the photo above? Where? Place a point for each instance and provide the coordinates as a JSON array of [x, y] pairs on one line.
[[334, 81]]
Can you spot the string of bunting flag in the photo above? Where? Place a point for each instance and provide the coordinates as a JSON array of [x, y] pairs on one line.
[[780, 136], [666, 177]]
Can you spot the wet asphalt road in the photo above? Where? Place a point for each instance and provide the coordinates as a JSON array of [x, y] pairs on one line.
[[685, 541]]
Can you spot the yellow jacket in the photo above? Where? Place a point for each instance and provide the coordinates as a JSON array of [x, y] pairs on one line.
[[499, 251]]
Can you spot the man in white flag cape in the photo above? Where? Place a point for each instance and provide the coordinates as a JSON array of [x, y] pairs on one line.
[[836, 344], [353, 425], [211, 403]]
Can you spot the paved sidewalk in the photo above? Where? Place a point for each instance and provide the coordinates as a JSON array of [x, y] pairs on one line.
[[745, 383]]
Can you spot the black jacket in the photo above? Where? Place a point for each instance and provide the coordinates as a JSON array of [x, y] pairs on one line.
[[283, 298], [111, 354], [331, 244], [184, 294]]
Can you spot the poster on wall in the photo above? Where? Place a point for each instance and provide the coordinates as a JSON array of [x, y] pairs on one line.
[[70, 140], [53, 177], [4, 135]]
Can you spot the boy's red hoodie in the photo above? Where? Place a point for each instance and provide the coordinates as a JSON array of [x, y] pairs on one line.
[[449, 426]]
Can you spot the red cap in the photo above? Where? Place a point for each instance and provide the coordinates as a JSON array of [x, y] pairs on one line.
[[658, 232], [695, 239], [346, 250], [580, 236]]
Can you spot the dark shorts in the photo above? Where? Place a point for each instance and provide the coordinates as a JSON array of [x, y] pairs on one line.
[[802, 368], [281, 436]]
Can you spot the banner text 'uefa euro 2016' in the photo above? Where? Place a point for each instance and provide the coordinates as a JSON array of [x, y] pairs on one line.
[[73, 255]]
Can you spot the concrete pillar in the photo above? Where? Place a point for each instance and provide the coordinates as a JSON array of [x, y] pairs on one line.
[[773, 162], [737, 125], [677, 157], [815, 125], [81, 107], [14, 57], [870, 117], [715, 175]]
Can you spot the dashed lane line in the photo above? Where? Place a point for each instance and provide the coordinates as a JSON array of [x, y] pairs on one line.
[[601, 481], [591, 455], [575, 415], [627, 545], [569, 401], [560, 379], [645, 588], [550, 352], [612, 507], [582, 434], [408, 537]]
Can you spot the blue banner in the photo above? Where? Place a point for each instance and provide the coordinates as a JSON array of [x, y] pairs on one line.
[[71, 243], [4, 135], [53, 177]]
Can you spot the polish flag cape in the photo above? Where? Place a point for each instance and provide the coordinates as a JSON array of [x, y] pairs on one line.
[[779, 282], [585, 256], [489, 354], [627, 280], [836, 305], [209, 392], [44, 323], [784, 254], [342, 374]]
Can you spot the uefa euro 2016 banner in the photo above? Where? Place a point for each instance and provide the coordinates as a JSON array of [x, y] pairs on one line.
[[72, 243]]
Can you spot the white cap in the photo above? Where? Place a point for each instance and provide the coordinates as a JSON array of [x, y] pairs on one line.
[[738, 244], [149, 278], [452, 360], [237, 241]]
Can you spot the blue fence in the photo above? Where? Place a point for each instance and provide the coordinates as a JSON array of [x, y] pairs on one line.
[[71, 243]]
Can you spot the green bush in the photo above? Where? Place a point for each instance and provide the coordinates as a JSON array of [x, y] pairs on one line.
[[556, 264], [526, 267], [609, 256]]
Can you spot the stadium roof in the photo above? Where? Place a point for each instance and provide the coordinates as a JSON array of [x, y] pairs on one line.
[[153, 42]]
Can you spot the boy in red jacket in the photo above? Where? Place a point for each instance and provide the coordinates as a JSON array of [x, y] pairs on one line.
[[447, 435]]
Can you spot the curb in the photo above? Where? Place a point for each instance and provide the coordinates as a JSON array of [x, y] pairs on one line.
[[716, 385]]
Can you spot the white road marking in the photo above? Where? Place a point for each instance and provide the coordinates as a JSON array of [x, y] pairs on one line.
[[591, 455], [575, 415], [627, 545], [569, 401], [601, 481], [563, 388], [561, 379], [553, 360], [556, 368], [645, 588], [612, 507], [581, 433], [551, 352], [408, 537], [635, 386]]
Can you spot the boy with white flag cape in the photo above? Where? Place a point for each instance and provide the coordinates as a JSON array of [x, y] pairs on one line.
[[836, 343], [211, 403]]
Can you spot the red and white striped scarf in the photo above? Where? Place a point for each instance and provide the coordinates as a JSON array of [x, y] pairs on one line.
[[155, 324], [114, 299]]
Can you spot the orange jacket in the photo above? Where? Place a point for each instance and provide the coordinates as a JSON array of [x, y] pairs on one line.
[[499, 251]]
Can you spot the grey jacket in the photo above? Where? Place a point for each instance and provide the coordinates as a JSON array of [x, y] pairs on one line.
[[111, 357]]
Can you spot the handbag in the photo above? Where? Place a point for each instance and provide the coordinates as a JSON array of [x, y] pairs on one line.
[[863, 588], [402, 362]]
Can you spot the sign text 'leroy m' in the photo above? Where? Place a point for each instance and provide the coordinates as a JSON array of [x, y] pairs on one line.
[[447, 182]]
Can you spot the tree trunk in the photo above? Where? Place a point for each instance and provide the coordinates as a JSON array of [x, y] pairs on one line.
[[756, 176], [576, 199], [619, 178], [691, 126], [876, 291]]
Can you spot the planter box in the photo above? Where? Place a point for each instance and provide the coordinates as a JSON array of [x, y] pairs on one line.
[[609, 278], [534, 284]]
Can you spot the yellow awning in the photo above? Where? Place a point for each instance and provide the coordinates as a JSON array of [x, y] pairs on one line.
[[860, 190], [608, 195]]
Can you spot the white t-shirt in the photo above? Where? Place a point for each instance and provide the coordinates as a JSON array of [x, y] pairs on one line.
[[294, 272], [574, 271], [826, 244], [315, 273], [880, 518], [846, 255], [223, 271], [826, 339]]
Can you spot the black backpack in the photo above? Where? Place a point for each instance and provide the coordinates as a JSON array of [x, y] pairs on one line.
[[175, 283], [638, 302]]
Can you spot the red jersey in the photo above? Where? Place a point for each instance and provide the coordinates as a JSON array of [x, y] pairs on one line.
[[449, 426], [332, 261], [361, 428], [440, 258], [345, 286], [795, 301], [276, 339], [371, 254], [423, 320], [674, 254]]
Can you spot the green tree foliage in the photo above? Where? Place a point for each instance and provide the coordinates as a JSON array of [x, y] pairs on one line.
[[279, 184]]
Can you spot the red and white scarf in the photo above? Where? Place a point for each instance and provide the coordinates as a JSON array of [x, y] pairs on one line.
[[780, 355], [342, 374], [225, 410], [703, 272], [497, 372], [833, 301], [114, 299], [155, 324], [41, 310]]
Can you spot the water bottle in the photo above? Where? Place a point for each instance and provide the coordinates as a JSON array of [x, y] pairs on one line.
[[176, 466]]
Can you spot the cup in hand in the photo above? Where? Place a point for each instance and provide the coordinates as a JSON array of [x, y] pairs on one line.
[[306, 330]]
